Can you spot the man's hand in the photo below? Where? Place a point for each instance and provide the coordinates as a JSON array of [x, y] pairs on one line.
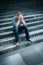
[[20, 18]]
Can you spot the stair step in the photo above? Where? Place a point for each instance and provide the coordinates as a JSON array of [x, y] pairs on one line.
[[32, 19], [6, 15], [6, 23], [26, 13], [24, 17], [11, 47], [11, 27], [8, 46], [37, 39], [27, 23], [33, 26], [10, 33], [4, 40], [12, 13], [25, 9]]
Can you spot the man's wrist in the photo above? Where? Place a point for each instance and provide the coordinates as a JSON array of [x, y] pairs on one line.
[[18, 21]]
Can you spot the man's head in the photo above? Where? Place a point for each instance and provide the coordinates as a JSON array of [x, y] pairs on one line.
[[19, 15]]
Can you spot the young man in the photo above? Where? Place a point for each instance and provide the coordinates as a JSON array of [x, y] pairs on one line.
[[17, 21]]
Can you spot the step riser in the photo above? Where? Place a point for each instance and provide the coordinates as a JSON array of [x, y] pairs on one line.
[[1, 22], [25, 9], [27, 25], [41, 40], [32, 19], [24, 17], [30, 29], [15, 12], [10, 24], [11, 14], [13, 49], [12, 34], [22, 39]]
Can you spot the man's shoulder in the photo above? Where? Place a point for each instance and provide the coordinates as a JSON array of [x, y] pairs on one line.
[[14, 17]]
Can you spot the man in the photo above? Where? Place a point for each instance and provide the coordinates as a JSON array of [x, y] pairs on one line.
[[17, 21]]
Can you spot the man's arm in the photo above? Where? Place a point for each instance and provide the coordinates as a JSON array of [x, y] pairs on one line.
[[24, 23], [15, 22], [18, 22]]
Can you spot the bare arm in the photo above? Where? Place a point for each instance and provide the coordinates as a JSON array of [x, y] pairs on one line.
[[24, 23], [17, 23]]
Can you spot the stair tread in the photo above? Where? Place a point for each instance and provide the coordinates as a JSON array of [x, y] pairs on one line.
[[23, 13], [24, 17], [12, 27], [8, 46], [11, 38], [4, 47], [37, 38], [26, 23], [32, 32]]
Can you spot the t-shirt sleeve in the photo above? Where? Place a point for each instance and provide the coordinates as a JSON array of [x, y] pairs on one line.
[[14, 21]]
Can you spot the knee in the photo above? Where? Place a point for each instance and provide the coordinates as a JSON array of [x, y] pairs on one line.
[[25, 26]]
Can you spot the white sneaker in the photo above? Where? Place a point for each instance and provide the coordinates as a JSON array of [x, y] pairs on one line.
[[30, 40], [17, 44]]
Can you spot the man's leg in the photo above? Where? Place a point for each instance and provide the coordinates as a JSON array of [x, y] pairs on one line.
[[26, 31], [15, 29]]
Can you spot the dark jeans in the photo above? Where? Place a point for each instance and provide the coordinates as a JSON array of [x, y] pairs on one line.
[[19, 29]]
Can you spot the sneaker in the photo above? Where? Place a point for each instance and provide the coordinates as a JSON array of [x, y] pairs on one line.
[[17, 44], [30, 40]]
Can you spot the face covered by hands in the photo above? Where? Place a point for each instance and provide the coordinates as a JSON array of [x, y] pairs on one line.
[[20, 17]]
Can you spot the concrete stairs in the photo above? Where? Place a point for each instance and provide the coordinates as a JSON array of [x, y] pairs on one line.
[[34, 21]]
